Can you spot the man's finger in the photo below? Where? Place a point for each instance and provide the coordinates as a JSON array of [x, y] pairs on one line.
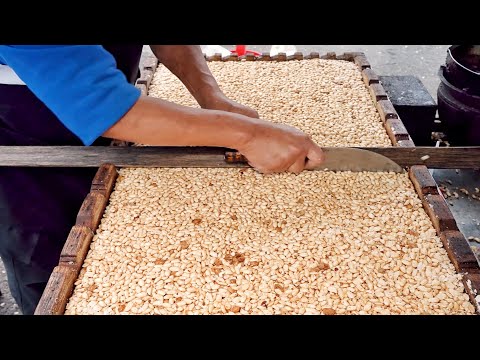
[[298, 166], [248, 112], [315, 157]]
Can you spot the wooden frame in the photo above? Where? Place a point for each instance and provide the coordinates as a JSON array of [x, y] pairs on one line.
[[61, 283]]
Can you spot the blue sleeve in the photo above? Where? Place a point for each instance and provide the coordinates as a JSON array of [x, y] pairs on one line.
[[80, 84]]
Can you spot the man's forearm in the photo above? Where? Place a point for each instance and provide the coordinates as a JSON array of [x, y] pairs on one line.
[[158, 122], [188, 64]]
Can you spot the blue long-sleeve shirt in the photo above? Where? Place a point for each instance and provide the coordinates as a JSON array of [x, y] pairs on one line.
[[80, 84]]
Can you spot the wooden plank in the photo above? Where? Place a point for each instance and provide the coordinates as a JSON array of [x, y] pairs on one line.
[[439, 212], [396, 130], [57, 292], [104, 179], [422, 180], [386, 110], [369, 77], [361, 61], [459, 252], [76, 247], [155, 156], [91, 211], [472, 287], [377, 92], [250, 57]]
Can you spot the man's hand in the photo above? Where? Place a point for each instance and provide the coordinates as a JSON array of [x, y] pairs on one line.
[[279, 148], [269, 147], [221, 102], [189, 65]]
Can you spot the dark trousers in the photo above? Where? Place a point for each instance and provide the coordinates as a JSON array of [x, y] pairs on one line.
[[38, 206]]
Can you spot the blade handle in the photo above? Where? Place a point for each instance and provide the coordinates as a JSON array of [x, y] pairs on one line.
[[234, 157]]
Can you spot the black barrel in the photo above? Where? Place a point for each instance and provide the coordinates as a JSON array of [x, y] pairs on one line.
[[458, 95], [462, 67]]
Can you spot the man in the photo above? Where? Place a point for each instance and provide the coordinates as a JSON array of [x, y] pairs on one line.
[[82, 95]]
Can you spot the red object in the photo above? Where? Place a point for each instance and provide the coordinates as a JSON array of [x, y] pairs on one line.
[[241, 50]]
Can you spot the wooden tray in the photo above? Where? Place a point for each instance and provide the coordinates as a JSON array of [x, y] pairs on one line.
[[61, 283]]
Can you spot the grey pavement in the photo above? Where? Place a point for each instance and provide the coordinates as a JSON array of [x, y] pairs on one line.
[[422, 61]]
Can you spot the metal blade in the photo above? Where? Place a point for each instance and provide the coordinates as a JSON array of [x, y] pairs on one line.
[[356, 160]]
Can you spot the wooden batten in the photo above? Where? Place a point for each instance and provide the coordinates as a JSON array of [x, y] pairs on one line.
[[265, 57], [57, 292], [422, 180], [396, 130], [146, 78], [454, 242], [350, 55], [231, 57], [439, 212], [60, 285], [361, 61], [386, 110], [459, 252], [369, 77], [215, 57], [329, 56], [148, 62], [298, 55], [76, 247], [472, 286], [405, 143], [148, 66], [104, 180], [143, 88], [377, 92], [91, 211], [282, 56]]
